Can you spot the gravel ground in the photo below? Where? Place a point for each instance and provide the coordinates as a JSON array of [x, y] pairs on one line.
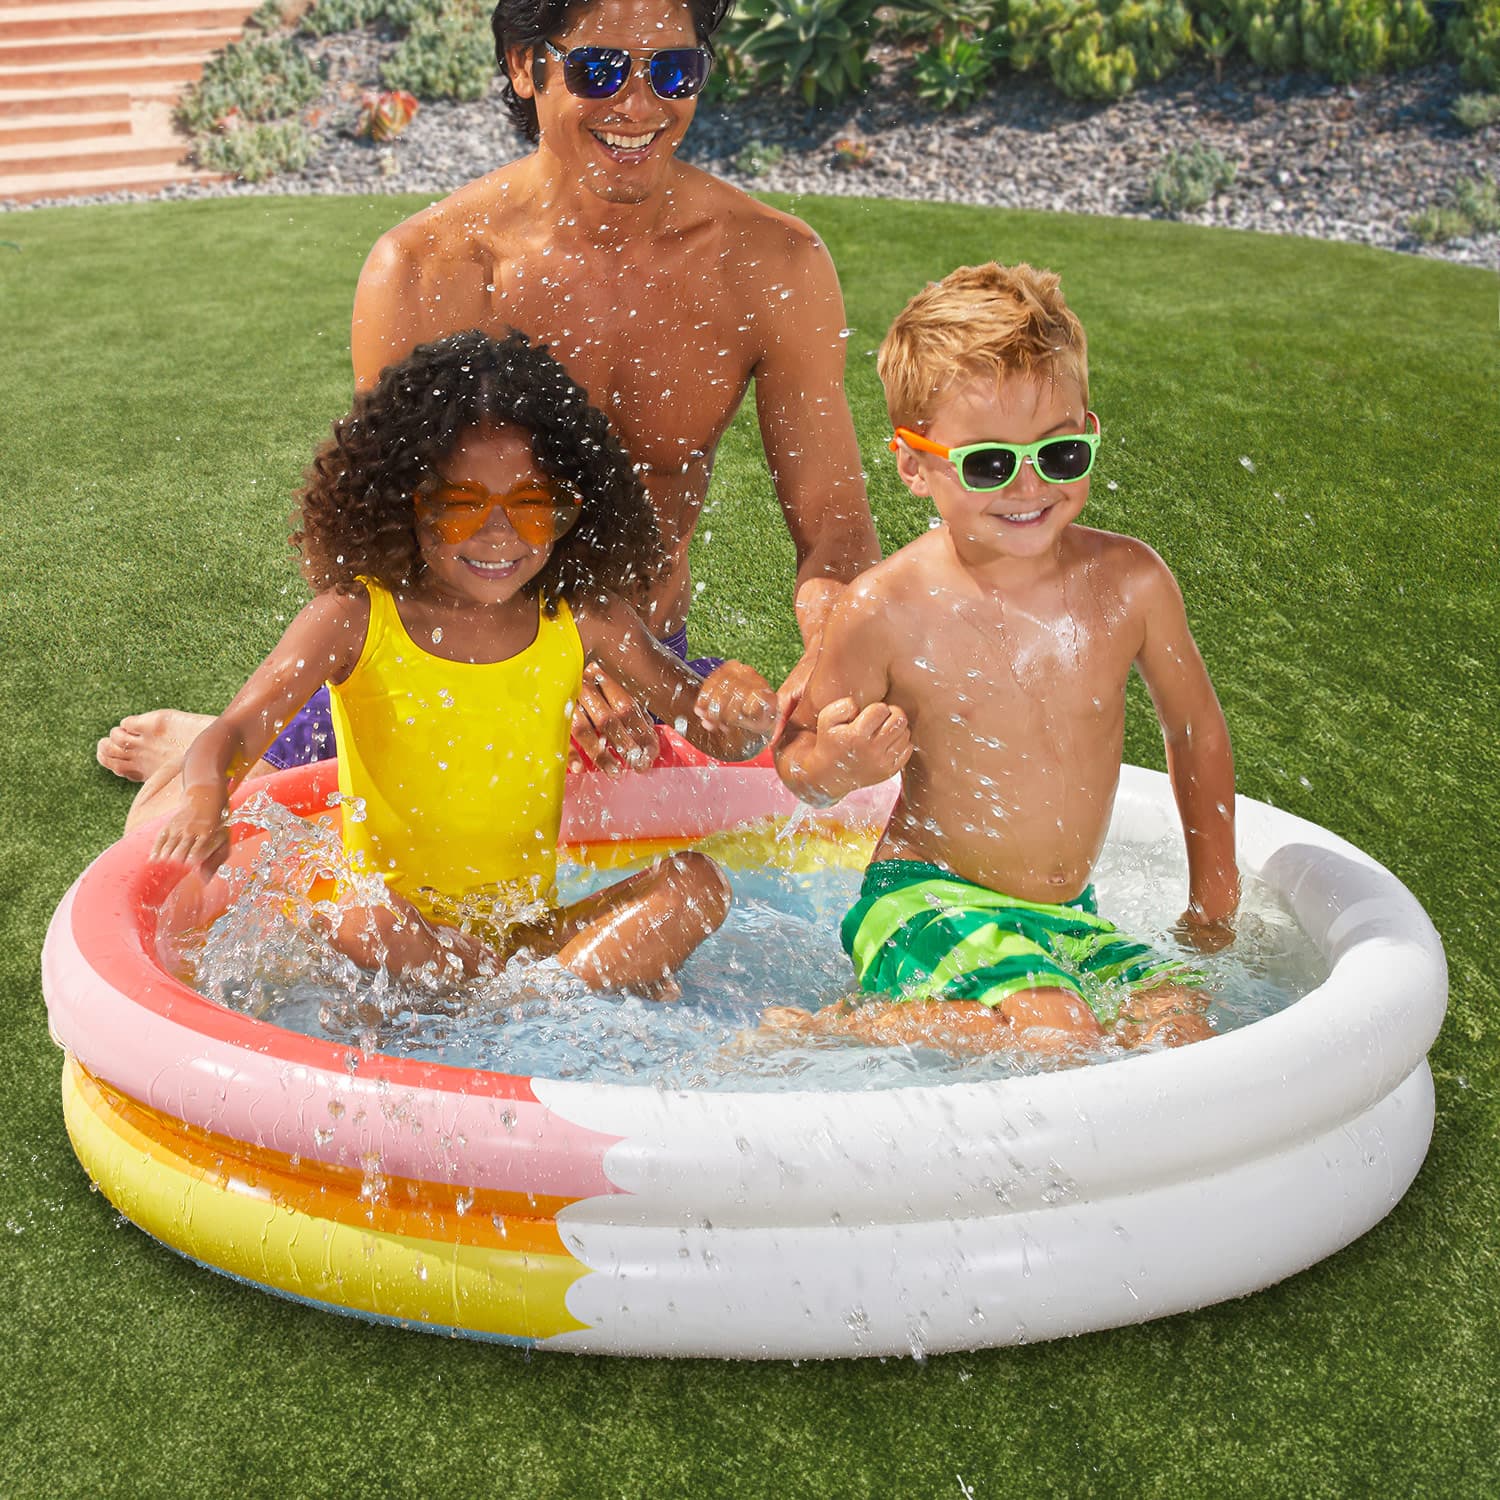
[[1343, 163]]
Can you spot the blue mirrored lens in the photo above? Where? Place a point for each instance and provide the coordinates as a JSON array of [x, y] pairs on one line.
[[596, 72], [679, 72]]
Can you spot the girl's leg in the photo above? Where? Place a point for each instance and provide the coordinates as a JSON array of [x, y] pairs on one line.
[[634, 934]]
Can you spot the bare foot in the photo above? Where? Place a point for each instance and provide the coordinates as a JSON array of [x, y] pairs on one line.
[[141, 744]]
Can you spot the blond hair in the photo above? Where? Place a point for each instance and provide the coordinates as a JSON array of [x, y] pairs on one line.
[[978, 320]]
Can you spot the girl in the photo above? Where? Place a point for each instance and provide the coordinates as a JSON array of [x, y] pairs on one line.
[[469, 530]]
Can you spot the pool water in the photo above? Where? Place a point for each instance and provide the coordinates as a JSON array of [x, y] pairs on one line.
[[779, 946]]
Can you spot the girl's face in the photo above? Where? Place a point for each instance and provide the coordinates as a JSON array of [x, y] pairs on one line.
[[494, 563]]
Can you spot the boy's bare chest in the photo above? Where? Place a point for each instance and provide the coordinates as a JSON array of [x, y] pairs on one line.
[[989, 673]]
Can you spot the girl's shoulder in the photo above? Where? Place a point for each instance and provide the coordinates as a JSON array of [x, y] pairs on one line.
[[332, 627]]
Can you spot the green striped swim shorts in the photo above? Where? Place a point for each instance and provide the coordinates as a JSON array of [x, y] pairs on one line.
[[918, 932]]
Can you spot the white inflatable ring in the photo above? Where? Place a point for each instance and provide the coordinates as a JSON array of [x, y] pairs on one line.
[[611, 1219]]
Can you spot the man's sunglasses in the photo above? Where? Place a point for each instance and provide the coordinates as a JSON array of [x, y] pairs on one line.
[[601, 72], [992, 465], [459, 511]]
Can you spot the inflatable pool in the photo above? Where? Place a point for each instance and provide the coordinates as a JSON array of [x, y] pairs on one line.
[[628, 1220]]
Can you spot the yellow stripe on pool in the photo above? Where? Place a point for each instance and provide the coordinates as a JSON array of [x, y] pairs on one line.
[[497, 1267]]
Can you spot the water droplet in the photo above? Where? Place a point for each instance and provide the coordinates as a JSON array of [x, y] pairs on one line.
[[1247, 464]]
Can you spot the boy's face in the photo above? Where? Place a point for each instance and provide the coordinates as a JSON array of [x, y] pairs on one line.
[[1028, 516], [619, 148]]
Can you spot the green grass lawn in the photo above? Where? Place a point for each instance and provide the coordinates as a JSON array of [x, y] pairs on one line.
[[167, 372]]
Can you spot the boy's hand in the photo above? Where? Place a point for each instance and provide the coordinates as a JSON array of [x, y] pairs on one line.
[[197, 833], [867, 746], [737, 697], [1194, 930]]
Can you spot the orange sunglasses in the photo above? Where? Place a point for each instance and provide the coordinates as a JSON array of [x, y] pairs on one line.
[[459, 511]]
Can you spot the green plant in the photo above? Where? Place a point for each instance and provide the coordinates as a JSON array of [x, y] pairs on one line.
[[1474, 40], [265, 78], [1439, 224], [1475, 111], [1478, 199], [952, 72], [1097, 49], [267, 16], [1214, 32], [733, 76], [256, 151], [936, 20], [816, 48], [1188, 179], [756, 158], [1349, 39], [329, 17], [447, 54]]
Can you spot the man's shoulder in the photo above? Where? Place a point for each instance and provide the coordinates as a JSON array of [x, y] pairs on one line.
[[443, 233], [756, 230]]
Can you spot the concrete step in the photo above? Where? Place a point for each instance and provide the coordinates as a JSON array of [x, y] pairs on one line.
[[177, 71], [68, 50], [110, 17], [18, 129], [36, 103], [71, 157], [30, 189]]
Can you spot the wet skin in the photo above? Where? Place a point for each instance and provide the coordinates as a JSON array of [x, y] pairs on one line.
[[987, 662], [471, 605], [662, 290]]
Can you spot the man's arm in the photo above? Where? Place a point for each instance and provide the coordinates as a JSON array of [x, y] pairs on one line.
[[1200, 761], [388, 321], [842, 734], [807, 430]]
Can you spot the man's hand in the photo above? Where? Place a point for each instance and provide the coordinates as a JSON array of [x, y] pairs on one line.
[[610, 727], [197, 833], [738, 699], [866, 747]]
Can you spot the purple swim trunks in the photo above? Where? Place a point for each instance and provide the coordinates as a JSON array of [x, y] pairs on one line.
[[308, 736]]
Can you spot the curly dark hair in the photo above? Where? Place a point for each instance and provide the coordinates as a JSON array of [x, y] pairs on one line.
[[529, 23], [357, 514]]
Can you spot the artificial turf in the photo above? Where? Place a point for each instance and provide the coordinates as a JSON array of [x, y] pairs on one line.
[[1309, 433]]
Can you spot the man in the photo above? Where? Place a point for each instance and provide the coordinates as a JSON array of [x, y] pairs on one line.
[[663, 291]]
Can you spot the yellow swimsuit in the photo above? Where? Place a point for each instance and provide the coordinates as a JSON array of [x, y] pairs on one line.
[[451, 773]]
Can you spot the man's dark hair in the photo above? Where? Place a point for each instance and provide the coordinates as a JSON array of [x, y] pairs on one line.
[[529, 23]]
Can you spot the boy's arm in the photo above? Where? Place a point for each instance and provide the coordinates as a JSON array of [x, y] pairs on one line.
[[729, 714], [1200, 761], [321, 644], [842, 734]]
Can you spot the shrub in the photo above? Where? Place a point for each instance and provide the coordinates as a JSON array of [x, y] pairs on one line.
[[755, 158], [256, 151], [1474, 40], [1478, 200], [329, 17], [1438, 225], [447, 54], [1188, 179], [1097, 49], [818, 48], [1349, 39], [953, 72], [1475, 111], [258, 79], [937, 20]]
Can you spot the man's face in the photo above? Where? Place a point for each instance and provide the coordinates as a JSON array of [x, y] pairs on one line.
[[618, 148]]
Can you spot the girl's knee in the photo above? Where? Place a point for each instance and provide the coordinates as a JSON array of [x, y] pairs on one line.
[[698, 881]]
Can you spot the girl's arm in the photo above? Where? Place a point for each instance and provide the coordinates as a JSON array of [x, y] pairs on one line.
[[321, 645], [1200, 761], [729, 714]]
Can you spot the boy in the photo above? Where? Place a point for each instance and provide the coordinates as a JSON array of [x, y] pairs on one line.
[[987, 662]]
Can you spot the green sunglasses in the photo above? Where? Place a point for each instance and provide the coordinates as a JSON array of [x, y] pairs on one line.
[[992, 465]]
